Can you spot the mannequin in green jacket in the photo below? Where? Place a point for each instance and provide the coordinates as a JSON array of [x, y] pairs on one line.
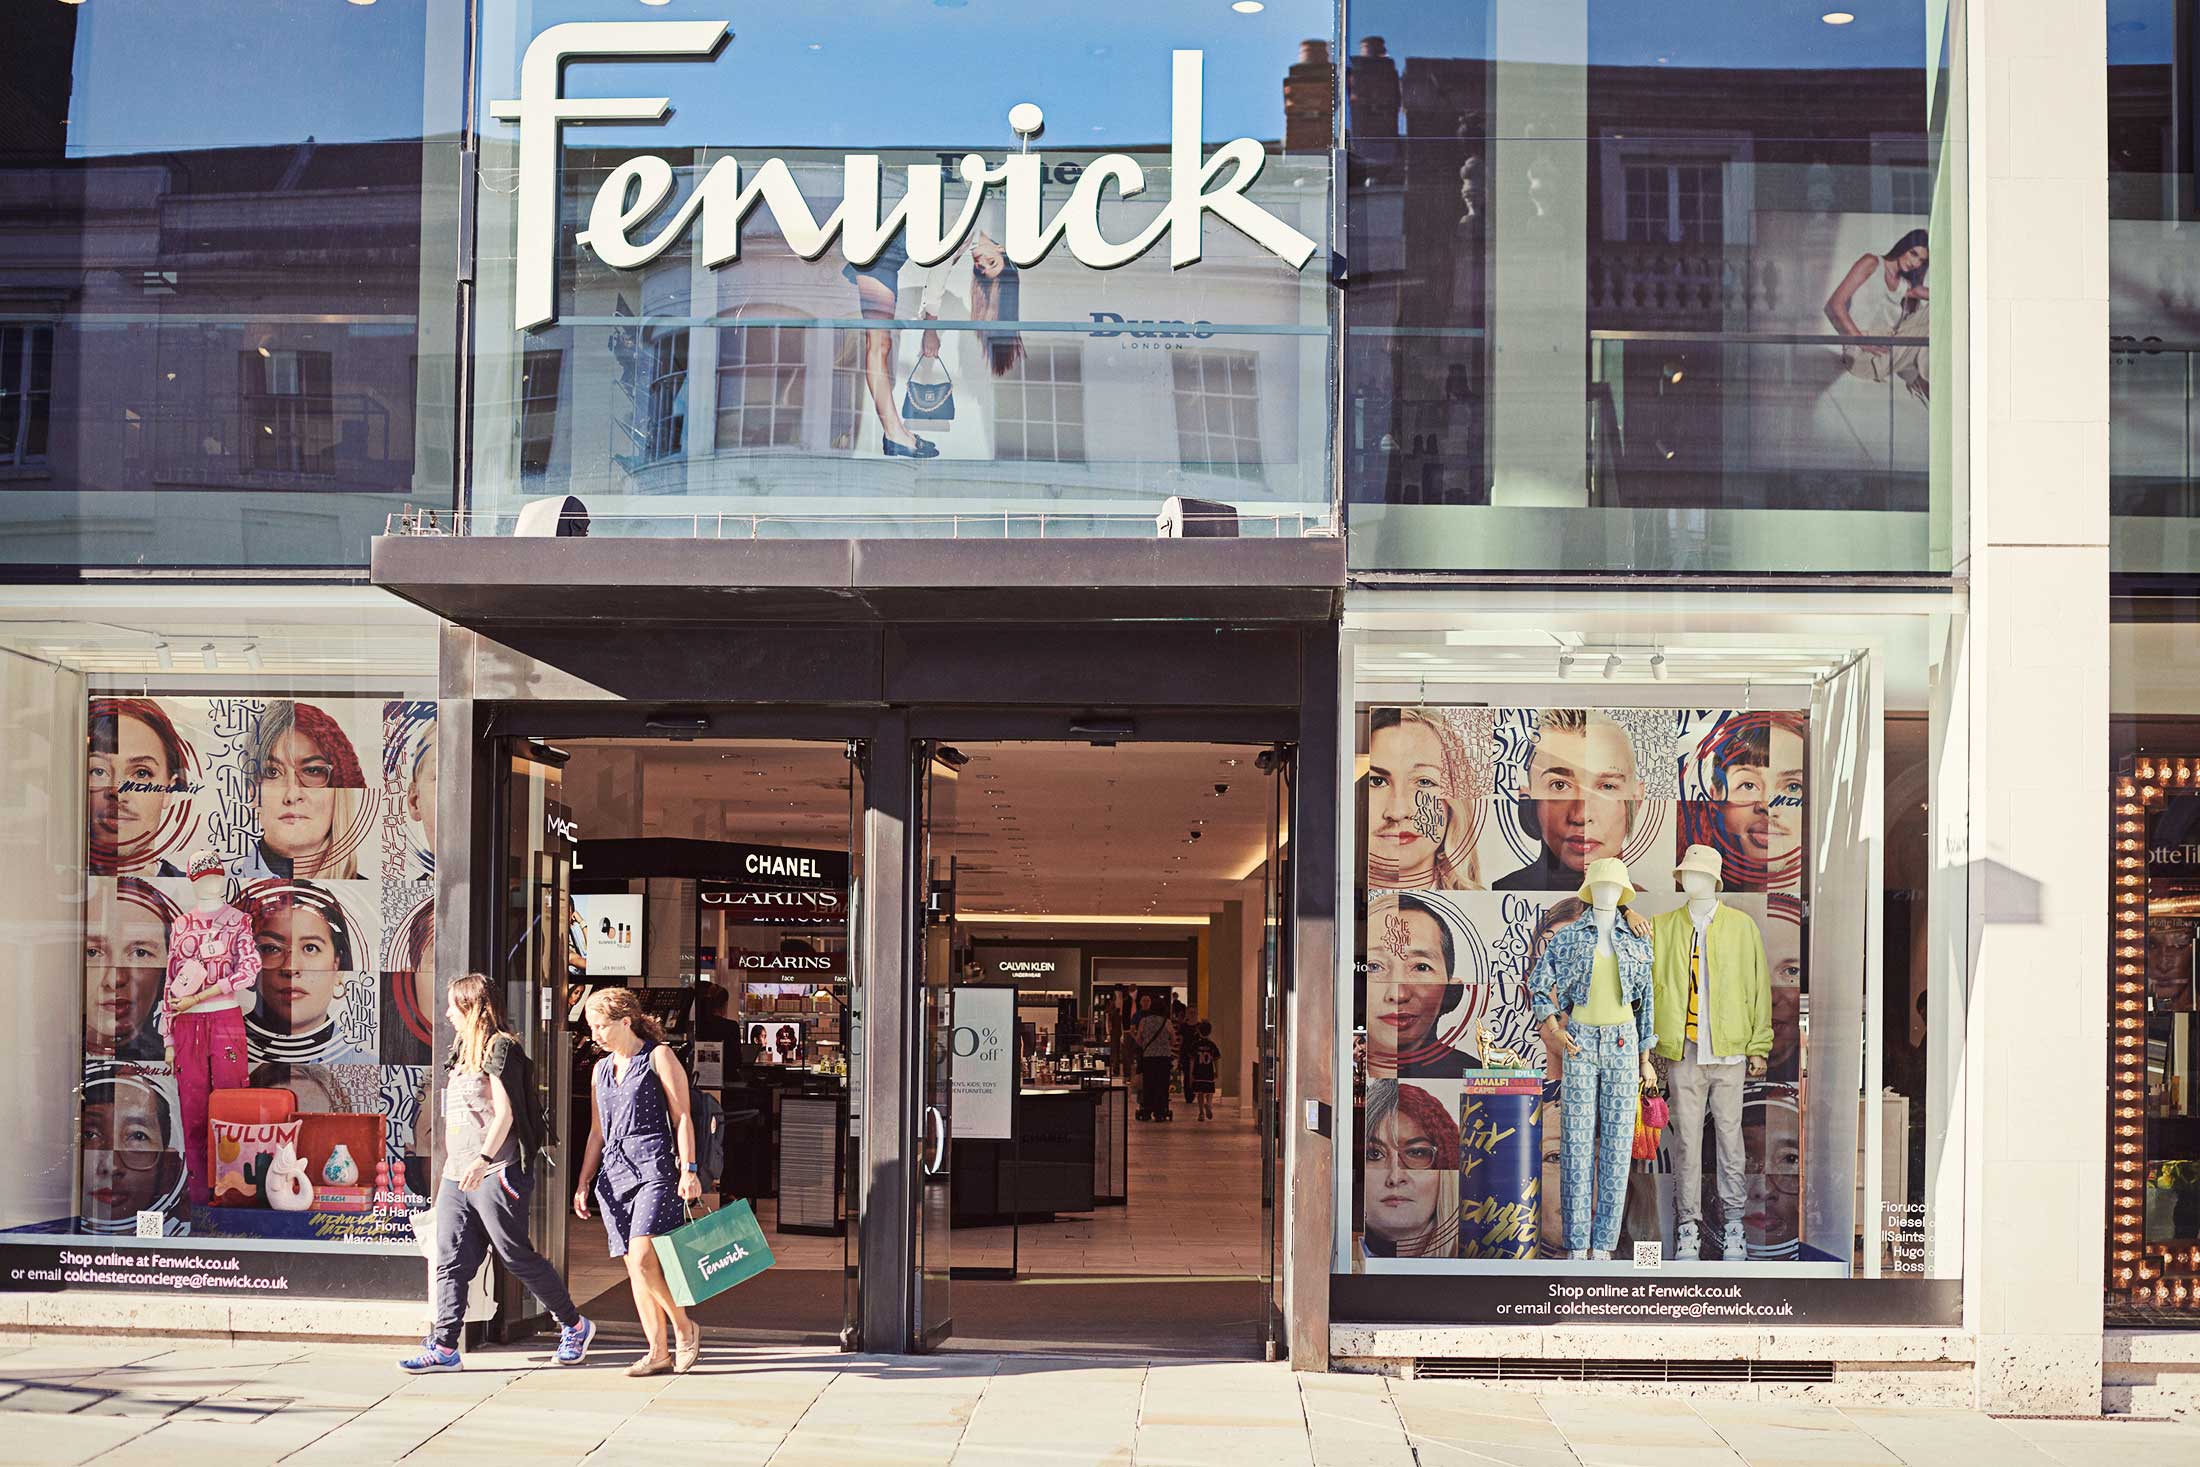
[[1714, 1016]]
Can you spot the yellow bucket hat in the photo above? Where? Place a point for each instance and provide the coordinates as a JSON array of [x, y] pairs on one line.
[[1612, 869]]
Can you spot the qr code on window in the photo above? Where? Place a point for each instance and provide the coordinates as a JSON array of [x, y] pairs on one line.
[[1649, 1255]]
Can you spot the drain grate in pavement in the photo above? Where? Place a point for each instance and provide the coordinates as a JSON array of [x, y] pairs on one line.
[[1503, 1367]]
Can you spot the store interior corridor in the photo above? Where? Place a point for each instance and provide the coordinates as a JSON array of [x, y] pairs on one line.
[[1088, 883]]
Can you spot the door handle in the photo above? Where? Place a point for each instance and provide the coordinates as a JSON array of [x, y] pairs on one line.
[[936, 1123]]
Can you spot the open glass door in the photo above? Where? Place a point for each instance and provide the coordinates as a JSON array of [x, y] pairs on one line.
[[533, 920], [933, 972], [1279, 764]]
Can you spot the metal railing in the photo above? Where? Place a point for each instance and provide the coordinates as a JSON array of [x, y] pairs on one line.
[[977, 525]]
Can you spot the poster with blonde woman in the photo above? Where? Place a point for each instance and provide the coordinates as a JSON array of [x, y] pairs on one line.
[[934, 392], [1427, 785]]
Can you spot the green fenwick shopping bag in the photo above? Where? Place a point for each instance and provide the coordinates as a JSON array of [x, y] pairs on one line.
[[708, 1255]]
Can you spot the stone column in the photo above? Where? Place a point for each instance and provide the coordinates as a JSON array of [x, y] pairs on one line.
[[2036, 102]]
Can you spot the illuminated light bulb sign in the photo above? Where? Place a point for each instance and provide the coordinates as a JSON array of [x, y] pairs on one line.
[[723, 200]]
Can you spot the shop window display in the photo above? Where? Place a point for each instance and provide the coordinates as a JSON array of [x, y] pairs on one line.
[[258, 967], [1491, 835], [2154, 1177]]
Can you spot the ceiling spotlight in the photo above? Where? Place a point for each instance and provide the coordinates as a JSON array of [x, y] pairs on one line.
[[1837, 17], [1565, 665], [1248, 7], [1611, 665], [1657, 666], [167, 658], [207, 659]]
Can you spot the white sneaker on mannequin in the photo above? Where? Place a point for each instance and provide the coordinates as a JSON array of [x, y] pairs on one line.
[[1687, 1243], [1733, 1244], [1581, 1254], [1601, 1255]]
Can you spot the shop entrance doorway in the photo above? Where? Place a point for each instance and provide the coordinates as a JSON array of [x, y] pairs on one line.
[[776, 897], [1101, 930], [716, 878]]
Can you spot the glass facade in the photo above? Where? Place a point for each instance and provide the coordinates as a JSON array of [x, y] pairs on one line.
[[1651, 290], [214, 291], [2154, 325], [725, 363]]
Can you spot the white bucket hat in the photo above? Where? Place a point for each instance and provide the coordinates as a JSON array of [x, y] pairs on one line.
[[1704, 859]]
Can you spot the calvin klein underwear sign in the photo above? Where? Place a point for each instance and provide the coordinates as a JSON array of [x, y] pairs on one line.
[[637, 188], [1048, 968]]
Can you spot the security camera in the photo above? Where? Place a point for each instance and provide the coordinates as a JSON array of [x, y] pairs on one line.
[[1221, 790]]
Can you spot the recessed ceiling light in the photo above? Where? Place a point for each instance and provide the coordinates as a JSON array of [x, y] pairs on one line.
[[1837, 17], [1247, 7]]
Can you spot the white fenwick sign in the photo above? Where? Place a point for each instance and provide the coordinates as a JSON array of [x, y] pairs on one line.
[[1200, 183]]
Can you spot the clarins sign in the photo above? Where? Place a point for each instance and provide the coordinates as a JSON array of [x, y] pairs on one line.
[[1199, 183]]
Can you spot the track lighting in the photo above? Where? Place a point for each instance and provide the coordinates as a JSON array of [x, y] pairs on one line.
[[1565, 665], [252, 656], [166, 658], [207, 659], [1657, 666], [1611, 666]]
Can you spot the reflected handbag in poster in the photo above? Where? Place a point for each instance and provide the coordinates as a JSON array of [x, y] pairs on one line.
[[929, 396], [707, 1255]]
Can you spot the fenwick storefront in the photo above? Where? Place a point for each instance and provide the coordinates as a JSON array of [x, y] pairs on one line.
[[761, 437]]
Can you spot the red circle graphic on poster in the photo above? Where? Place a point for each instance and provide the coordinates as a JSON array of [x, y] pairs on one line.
[[1393, 948], [142, 781], [1749, 768]]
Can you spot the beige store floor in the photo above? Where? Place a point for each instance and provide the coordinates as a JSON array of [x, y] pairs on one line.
[[1177, 1267], [153, 1401]]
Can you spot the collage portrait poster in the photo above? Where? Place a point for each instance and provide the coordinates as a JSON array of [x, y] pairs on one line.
[[1479, 825], [321, 814]]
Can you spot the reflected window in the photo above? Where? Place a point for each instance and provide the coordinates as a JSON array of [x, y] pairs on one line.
[[664, 418], [538, 396], [26, 394], [289, 412], [1043, 405], [1218, 411], [761, 377], [1623, 290], [1675, 203]]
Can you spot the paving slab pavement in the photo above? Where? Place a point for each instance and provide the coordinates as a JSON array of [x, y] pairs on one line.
[[259, 1405]]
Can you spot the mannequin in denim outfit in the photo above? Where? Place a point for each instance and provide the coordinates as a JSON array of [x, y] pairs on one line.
[[1601, 1024]]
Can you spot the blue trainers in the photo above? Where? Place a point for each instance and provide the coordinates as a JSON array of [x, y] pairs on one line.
[[432, 1357], [573, 1343]]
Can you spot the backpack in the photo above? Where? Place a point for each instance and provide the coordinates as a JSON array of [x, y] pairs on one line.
[[530, 1124], [710, 1135]]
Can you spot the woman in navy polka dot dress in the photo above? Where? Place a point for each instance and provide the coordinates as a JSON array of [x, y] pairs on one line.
[[640, 1166]]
